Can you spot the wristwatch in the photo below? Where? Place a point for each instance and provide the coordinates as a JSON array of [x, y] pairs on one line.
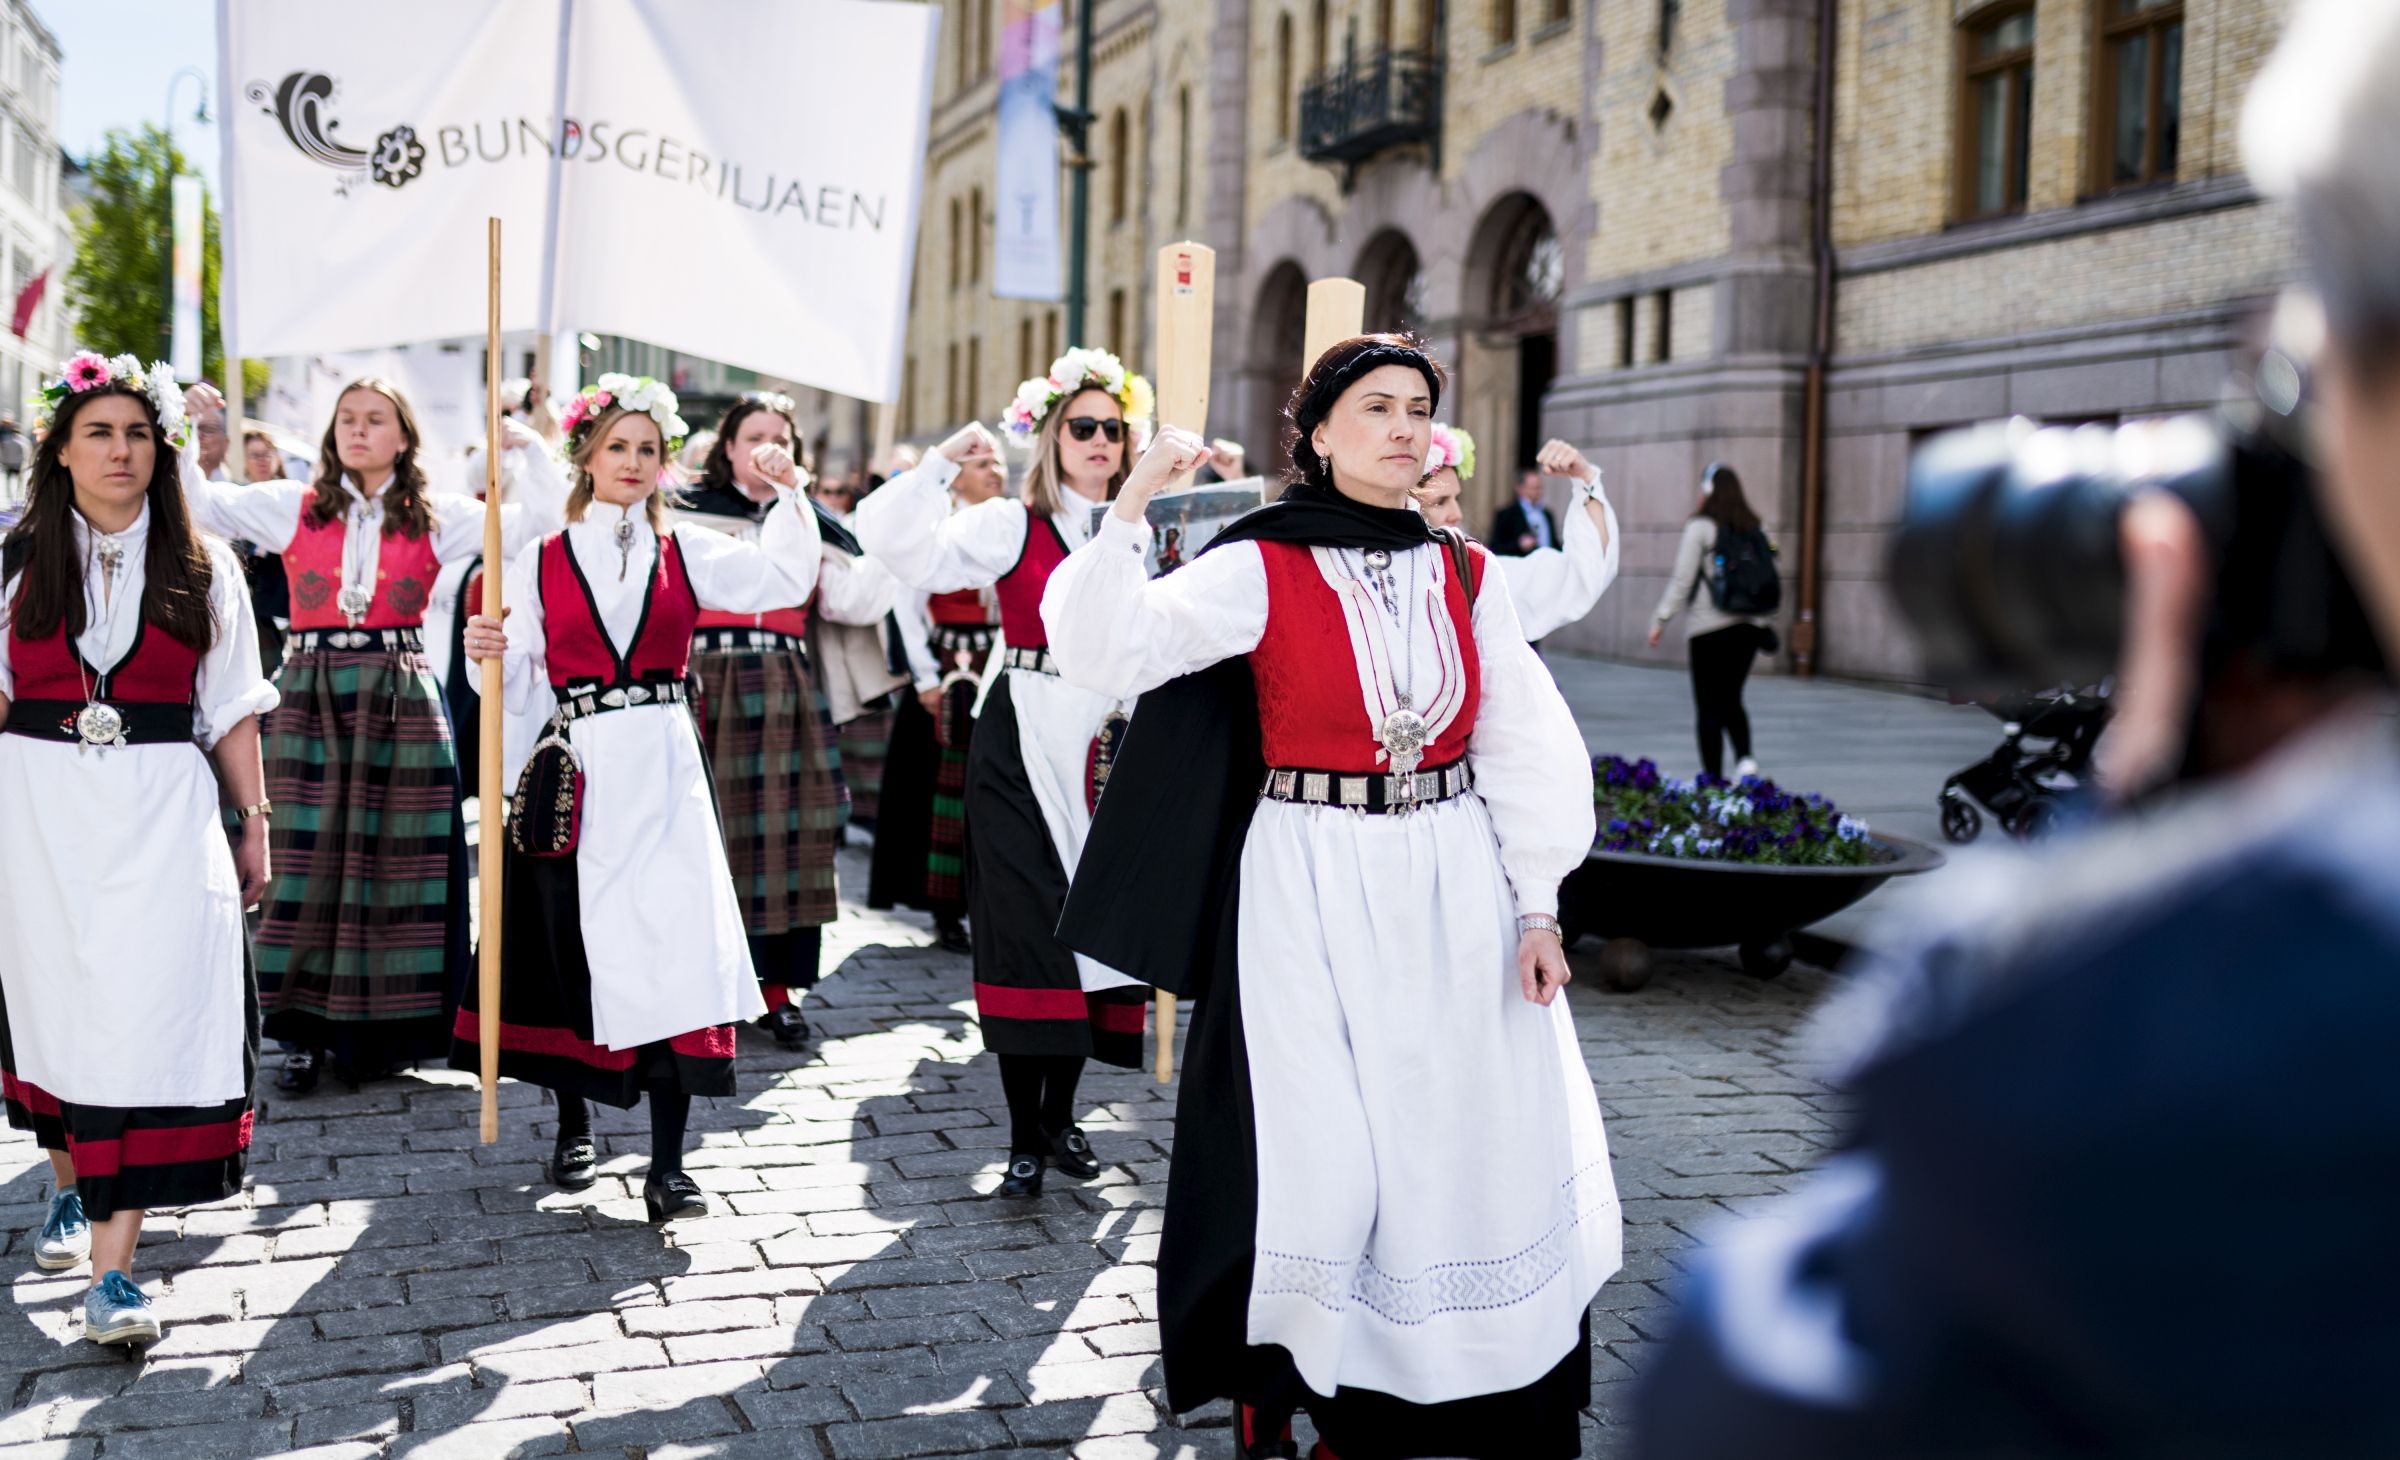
[[263, 808], [1540, 923]]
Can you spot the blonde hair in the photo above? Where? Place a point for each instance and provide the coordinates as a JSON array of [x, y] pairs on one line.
[[582, 494], [1043, 480]]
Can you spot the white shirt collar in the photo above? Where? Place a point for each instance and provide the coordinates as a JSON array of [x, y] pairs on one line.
[[131, 537]]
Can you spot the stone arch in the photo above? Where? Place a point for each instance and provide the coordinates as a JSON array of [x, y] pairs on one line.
[[1394, 276], [1272, 367]]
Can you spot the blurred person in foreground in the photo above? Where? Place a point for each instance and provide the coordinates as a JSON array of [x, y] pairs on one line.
[[2121, 1176]]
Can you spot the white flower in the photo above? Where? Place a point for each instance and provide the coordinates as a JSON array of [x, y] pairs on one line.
[[1849, 828], [614, 383]]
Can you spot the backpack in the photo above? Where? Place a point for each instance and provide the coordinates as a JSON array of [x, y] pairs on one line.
[[1742, 577]]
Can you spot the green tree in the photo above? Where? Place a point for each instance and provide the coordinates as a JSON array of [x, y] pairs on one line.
[[118, 285]]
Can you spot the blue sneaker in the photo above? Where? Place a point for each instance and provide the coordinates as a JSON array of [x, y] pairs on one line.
[[66, 1239], [118, 1312]]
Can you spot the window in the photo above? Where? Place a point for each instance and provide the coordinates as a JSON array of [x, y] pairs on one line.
[[975, 236], [983, 38], [974, 390], [2140, 90], [908, 396], [1318, 28], [1504, 22], [954, 241], [1384, 38], [1663, 348], [950, 412], [965, 53], [1561, 11], [1120, 166], [1025, 366], [1283, 77], [1995, 114], [1049, 340], [1625, 332], [1116, 324], [1183, 156], [1670, 18], [29, 166]]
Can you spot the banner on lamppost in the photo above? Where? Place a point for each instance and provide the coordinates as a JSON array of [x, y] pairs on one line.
[[1025, 249], [183, 351], [656, 177]]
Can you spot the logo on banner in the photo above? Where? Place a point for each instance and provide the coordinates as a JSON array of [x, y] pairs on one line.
[[302, 104]]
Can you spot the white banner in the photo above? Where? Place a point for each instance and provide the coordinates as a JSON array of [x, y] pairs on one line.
[[184, 202], [737, 179], [1025, 260]]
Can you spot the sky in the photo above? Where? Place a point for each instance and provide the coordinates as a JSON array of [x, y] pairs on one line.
[[119, 56]]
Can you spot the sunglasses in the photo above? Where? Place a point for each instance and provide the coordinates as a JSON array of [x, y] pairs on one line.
[[1082, 427]]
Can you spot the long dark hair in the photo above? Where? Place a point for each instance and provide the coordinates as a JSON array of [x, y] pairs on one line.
[[1336, 371], [404, 507], [175, 566], [1725, 505], [717, 470]]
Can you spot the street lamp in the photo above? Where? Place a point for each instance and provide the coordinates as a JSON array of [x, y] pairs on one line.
[[199, 78]]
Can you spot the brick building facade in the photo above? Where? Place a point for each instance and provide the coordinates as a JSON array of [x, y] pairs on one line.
[[1601, 212]]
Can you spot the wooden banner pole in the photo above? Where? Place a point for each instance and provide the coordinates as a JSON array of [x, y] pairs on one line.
[[1186, 294], [1337, 309], [492, 800]]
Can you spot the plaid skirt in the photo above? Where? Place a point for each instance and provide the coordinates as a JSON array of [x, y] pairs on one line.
[[363, 938], [779, 794], [865, 741]]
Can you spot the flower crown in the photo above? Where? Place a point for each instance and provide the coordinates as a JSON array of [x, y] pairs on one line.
[[773, 400], [1452, 447], [633, 393], [87, 370], [1069, 373]]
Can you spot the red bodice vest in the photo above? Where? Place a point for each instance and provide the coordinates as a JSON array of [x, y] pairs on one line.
[[963, 609], [158, 670], [1311, 714], [405, 567], [580, 651], [793, 621], [1020, 589]]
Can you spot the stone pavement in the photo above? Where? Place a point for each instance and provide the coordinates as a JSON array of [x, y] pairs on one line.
[[388, 1287]]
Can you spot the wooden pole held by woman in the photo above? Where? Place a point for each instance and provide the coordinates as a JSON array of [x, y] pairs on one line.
[[493, 800]]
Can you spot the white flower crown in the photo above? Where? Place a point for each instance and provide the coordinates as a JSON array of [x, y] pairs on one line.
[[633, 393], [88, 370], [1072, 371]]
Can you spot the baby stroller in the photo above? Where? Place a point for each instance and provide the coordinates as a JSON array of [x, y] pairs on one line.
[[2043, 756]]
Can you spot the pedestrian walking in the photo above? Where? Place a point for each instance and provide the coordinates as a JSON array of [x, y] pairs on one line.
[[1553, 586], [1030, 783], [1341, 820], [363, 942], [770, 746], [626, 961], [130, 694], [1727, 553]]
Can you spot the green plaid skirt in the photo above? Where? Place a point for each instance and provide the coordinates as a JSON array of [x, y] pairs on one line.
[[364, 935], [779, 794], [864, 743]]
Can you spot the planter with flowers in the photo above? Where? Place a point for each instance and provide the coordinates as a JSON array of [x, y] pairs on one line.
[[1710, 863]]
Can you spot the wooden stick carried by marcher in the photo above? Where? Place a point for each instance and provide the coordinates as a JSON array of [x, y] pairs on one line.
[[490, 837], [1337, 309], [1187, 304]]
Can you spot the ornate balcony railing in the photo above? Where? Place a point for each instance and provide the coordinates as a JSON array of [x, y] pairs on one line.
[[1371, 104]]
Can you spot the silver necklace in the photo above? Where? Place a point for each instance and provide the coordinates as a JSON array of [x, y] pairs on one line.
[[624, 536], [99, 723], [1402, 731], [356, 596]]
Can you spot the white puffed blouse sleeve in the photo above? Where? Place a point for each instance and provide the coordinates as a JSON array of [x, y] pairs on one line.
[[1554, 587], [228, 687], [852, 590], [536, 506], [907, 524], [777, 571], [1117, 631], [265, 513], [1530, 764]]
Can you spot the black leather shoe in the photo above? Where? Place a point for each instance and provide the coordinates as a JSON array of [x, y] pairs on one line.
[[299, 1072], [1071, 1153], [574, 1163], [950, 935], [1024, 1177], [1251, 1437], [674, 1195], [787, 1025]]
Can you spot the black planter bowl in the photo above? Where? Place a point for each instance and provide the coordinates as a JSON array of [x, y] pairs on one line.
[[1639, 902]]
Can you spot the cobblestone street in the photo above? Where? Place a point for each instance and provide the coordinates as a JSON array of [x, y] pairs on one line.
[[391, 1288]]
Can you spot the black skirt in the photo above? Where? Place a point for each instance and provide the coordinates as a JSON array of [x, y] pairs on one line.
[[1028, 995], [546, 1004], [904, 819], [146, 1157]]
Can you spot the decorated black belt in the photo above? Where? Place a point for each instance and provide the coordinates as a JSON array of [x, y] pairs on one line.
[[1375, 795], [747, 641], [576, 704], [952, 637], [309, 641], [101, 722], [1034, 657]]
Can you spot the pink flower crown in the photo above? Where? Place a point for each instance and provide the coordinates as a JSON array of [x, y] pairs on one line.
[[1069, 373], [1451, 447], [88, 370], [641, 394]]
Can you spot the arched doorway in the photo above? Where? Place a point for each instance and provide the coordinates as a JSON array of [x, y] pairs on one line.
[[1395, 283], [1278, 333], [1516, 271]]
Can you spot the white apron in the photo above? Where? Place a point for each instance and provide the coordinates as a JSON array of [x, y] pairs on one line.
[[1056, 723]]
